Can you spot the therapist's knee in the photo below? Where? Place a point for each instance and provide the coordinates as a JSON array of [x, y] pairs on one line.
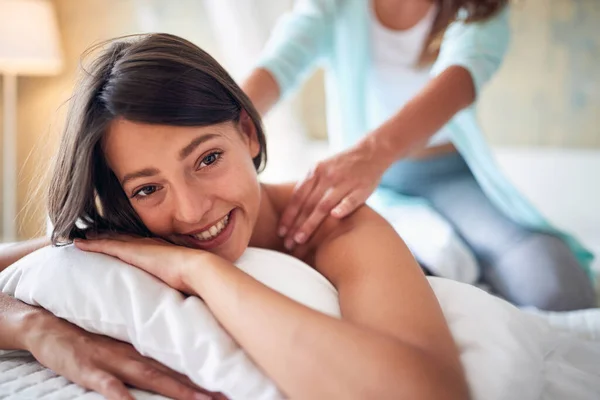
[[542, 272]]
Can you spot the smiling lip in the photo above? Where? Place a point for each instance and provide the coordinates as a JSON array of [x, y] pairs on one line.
[[204, 228], [218, 240]]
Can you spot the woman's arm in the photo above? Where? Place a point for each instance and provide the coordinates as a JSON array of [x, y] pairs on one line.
[[15, 251], [470, 55], [298, 41], [93, 361], [424, 115], [340, 184], [14, 314], [392, 342], [382, 287], [14, 318]]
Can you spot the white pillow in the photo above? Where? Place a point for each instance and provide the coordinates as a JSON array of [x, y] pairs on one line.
[[502, 349], [104, 295]]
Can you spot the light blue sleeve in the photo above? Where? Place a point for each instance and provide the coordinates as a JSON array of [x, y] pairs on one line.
[[298, 42], [478, 47]]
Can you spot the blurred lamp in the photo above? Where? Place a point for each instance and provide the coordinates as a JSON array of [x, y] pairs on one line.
[[29, 45]]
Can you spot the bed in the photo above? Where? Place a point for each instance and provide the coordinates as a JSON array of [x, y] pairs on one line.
[[563, 184], [557, 181]]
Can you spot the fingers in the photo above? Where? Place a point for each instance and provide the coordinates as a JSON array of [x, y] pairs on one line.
[[94, 235], [105, 365], [123, 250], [146, 375], [348, 205], [106, 384], [143, 375], [120, 246], [147, 254], [304, 210], [176, 375], [316, 209], [301, 192], [111, 247]]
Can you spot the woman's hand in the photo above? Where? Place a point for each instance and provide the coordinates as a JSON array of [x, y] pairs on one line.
[[162, 259], [100, 363], [336, 186]]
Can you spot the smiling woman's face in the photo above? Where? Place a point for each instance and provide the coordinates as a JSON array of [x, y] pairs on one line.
[[194, 186]]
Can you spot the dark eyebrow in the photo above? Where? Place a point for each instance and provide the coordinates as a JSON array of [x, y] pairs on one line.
[[187, 150], [144, 173], [183, 153]]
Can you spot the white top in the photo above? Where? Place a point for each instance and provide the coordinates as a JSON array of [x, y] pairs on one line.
[[394, 77]]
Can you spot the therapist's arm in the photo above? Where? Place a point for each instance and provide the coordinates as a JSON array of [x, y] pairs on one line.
[[349, 178], [423, 116], [262, 89], [470, 56]]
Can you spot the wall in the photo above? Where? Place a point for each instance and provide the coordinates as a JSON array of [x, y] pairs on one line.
[[546, 94], [548, 90], [41, 108]]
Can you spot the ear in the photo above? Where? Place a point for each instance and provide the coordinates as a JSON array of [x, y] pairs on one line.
[[250, 133]]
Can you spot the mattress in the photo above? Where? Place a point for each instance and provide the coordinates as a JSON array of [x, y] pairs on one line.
[[21, 377]]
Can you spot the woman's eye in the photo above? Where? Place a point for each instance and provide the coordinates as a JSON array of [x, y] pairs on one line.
[[209, 159], [145, 191]]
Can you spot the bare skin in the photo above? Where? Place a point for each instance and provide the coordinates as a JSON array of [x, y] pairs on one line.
[[16, 251], [340, 184], [380, 285], [306, 353], [95, 362]]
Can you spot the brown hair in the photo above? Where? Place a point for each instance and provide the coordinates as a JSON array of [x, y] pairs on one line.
[[448, 12], [154, 79]]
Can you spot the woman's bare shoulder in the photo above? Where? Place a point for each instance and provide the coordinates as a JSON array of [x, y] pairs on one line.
[[279, 194], [364, 228]]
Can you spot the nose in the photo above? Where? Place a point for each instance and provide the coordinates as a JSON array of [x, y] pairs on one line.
[[190, 204]]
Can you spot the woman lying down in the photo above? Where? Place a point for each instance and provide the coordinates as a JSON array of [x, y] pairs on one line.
[[163, 148]]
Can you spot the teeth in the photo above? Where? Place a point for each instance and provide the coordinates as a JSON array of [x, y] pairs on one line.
[[213, 230]]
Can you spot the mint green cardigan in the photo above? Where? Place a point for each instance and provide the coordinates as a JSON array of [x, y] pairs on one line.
[[335, 34]]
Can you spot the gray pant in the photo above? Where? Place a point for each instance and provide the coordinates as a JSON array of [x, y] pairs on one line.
[[525, 267]]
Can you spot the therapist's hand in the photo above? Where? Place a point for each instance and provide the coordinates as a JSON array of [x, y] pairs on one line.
[[336, 186]]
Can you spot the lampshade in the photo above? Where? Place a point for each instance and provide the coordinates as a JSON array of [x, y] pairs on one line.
[[29, 39]]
